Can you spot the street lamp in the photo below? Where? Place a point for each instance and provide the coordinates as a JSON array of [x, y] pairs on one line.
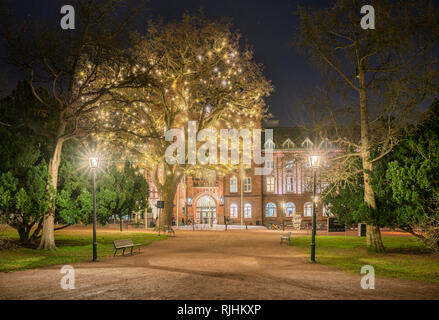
[[221, 202], [314, 162], [189, 204], [283, 215], [94, 164]]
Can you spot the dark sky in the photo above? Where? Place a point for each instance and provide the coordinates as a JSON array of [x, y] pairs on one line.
[[268, 25]]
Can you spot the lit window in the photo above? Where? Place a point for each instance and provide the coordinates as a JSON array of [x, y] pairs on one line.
[[307, 209], [270, 184], [248, 185], [291, 184], [289, 164], [269, 145], [326, 211], [234, 184], [233, 211], [288, 144], [307, 184], [270, 210], [290, 209], [269, 164], [324, 185], [307, 143], [247, 210]]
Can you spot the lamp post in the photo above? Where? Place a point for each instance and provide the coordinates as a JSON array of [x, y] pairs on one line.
[[314, 162], [221, 201], [189, 204], [283, 215], [94, 164]]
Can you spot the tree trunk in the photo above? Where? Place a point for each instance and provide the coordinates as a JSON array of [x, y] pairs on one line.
[[36, 233], [23, 233], [373, 238], [48, 236], [373, 234], [167, 191], [167, 194]]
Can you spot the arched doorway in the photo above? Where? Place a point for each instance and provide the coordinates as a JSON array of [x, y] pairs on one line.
[[206, 210]]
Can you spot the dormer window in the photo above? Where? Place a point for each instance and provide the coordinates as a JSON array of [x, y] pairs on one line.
[[307, 143], [269, 145], [288, 144], [325, 144]]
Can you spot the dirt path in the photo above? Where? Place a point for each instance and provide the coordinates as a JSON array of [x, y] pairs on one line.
[[209, 265]]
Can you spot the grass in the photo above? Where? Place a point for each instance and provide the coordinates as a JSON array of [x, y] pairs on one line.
[[73, 246], [406, 257]]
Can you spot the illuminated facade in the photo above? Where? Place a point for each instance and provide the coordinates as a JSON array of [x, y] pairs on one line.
[[257, 200]]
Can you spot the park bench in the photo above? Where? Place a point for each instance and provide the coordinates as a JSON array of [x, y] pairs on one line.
[[125, 244], [286, 237]]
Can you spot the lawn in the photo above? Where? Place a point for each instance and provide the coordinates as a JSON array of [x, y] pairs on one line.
[[73, 246], [406, 256]]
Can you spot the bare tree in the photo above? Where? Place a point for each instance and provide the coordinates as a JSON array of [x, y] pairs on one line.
[[199, 73], [79, 68], [384, 74]]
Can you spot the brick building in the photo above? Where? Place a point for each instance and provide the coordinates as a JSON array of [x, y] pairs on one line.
[[243, 197]]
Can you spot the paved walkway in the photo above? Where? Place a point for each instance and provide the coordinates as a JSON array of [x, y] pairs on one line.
[[209, 265]]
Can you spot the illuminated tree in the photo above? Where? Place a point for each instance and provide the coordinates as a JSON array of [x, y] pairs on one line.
[[79, 68], [196, 72]]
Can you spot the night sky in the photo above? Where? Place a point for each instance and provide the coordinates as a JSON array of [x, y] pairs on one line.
[[268, 26]]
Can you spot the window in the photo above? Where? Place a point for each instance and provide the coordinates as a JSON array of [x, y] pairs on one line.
[[288, 144], [324, 185], [248, 185], [326, 211], [269, 145], [269, 164], [307, 143], [325, 144], [270, 210], [289, 164], [270, 184], [307, 209], [307, 183], [234, 184], [290, 209], [291, 184], [233, 211], [247, 210]]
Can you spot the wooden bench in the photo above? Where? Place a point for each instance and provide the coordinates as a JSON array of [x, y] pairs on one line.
[[125, 244], [286, 237]]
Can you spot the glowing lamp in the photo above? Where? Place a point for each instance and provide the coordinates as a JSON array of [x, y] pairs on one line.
[[94, 162], [314, 161]]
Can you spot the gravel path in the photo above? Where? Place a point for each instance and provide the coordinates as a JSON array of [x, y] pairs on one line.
[[209, 265]]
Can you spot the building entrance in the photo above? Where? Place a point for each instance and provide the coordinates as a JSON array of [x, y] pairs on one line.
[[206, 210]]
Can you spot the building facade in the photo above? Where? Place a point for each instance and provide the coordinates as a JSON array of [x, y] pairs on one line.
[[243, 198]]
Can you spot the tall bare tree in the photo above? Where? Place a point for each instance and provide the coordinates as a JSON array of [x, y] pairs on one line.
[[79, 67], [385, 73], [199, 72]]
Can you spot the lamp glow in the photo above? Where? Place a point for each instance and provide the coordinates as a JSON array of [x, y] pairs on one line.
[[94, 162], [314, 161]]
